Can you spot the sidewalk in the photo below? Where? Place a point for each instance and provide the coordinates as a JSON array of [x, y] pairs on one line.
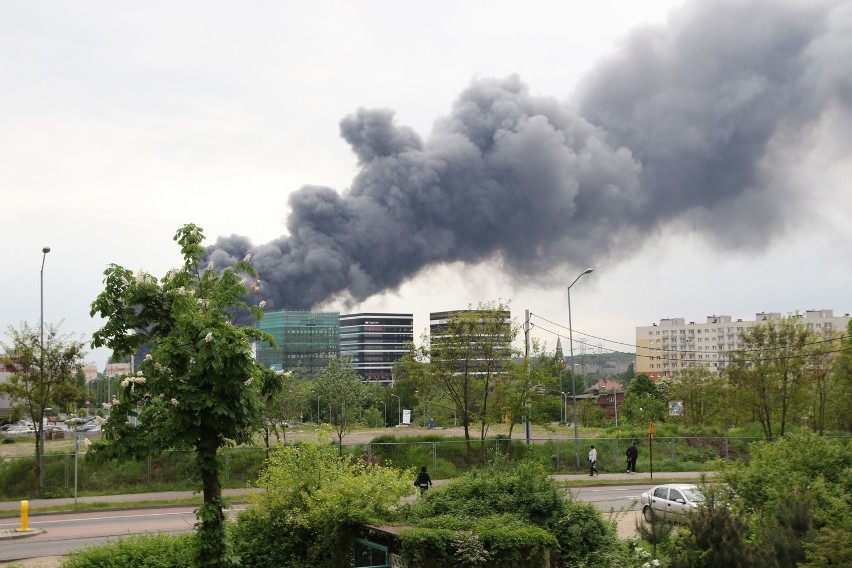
[[134, 498]]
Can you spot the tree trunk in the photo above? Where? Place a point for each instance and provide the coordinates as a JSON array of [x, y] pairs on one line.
[[211, 515], [39, 451]]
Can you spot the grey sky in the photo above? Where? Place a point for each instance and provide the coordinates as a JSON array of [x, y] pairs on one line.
[[710, 151]]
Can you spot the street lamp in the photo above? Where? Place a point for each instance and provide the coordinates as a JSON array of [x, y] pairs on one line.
[[399, 405], [564, 397], [573, 377], [44, 251], [385, 423]]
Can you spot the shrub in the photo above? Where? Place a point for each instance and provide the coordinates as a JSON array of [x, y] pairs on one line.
[[149, 551], [314, 502]]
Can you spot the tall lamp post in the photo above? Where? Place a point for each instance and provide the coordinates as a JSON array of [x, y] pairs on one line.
[[399, 409], [573, 375], [44, 251], [385, 424]]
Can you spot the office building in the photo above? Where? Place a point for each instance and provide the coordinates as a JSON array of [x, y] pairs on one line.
[[304, 339], [674, 345], [374, 342], [495, 334]]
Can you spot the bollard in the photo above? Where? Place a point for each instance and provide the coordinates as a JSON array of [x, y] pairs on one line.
[[25, 513]]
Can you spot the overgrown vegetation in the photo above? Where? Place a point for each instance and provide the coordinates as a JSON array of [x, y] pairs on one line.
[[149, 551]]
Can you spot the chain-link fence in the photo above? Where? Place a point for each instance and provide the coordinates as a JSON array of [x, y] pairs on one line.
[[175, 470], [445, 459], [450, 458]]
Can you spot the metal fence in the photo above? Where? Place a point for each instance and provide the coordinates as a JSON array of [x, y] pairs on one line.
[[445, 459], [450, 458], [173, 470]]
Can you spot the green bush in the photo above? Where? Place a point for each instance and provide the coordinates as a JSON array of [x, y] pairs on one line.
[[149, 551], [522, 489], [519, 494], [313, 503]]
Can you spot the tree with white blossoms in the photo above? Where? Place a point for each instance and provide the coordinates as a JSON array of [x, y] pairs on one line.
[[198, 388]]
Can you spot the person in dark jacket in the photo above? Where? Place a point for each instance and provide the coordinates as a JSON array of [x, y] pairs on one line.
[[632, 455], [423, 480]]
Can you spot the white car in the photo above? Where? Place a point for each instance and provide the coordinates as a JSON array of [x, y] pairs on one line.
[[672, 501]]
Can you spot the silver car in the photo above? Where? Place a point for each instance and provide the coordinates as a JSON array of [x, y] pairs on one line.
[[672, 501]]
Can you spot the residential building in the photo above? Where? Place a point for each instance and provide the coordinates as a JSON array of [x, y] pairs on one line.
[[674, 345], [374, 342], [304, 339], [118, 369]]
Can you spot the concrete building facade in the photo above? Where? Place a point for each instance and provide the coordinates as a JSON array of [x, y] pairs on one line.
[[674, 345]]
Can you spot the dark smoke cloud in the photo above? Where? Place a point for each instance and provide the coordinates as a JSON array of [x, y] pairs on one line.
[[684, 122]]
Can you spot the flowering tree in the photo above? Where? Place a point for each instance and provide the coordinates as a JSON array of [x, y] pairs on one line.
[[198, 387]]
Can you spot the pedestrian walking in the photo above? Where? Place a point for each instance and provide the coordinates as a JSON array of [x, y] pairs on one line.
[[632, 455], [423, 480], [593, 460]]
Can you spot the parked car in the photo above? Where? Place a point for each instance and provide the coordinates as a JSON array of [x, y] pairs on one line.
[[672, 501]]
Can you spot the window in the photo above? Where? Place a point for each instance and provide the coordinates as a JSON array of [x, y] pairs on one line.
[[661, 492]]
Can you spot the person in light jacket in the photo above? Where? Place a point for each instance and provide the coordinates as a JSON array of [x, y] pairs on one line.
[[593, 459]]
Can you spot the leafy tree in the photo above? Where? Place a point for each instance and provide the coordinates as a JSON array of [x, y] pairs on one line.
[[643, 402], [821, 375], [701, 392], [198, 388], [527, 382], [340, 387], [42, 375], [768, 372], [839, 405], [466, 360]]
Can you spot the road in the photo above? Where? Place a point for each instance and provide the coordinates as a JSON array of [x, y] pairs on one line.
[[66, 532]]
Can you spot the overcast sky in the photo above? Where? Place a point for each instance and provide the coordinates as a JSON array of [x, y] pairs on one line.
[[697, 154]]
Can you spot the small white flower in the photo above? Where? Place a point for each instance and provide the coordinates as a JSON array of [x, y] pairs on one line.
[[138, 373], [262, 304], [125, 383], [159, 367], [247, 258], [87, 442], [248, 381], [174, 402], [106, 406], [646, 565], [655, 562], [140, 380], [148, 357], [210, 265], [209, 337], [243, 281]]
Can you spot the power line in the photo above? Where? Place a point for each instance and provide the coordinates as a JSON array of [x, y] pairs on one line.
[[685, 352], [664, 350]]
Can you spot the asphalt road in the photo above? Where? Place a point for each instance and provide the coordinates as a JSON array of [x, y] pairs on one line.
[[66, 532]]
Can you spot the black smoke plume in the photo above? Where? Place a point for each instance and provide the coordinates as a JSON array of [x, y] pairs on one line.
[[688, 122]]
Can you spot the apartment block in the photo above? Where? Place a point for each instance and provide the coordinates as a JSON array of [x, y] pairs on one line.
[[674, 345]]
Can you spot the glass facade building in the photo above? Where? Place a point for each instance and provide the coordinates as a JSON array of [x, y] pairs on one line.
[[305, 339]]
